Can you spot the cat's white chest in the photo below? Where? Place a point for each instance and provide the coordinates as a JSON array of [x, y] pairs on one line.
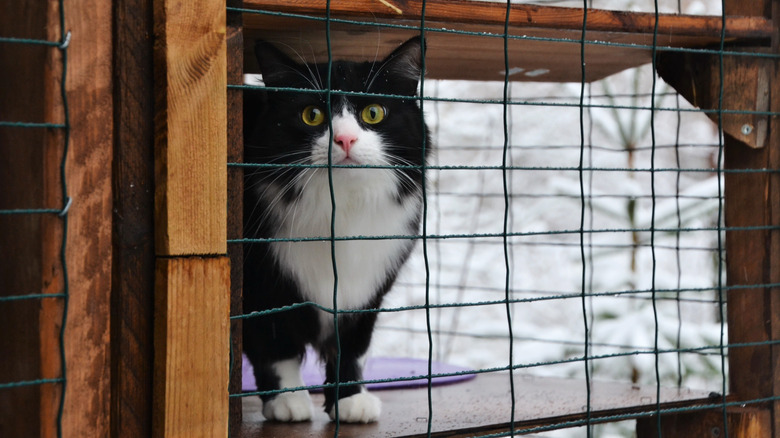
[[365, 207]]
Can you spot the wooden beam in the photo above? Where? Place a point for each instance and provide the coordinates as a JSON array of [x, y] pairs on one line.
[[88, 250], [548, 51], [191, 347], [192, 286], [754, 254], [459, 12], [24, 97], [190, 134], [235, 47], [132, 297]]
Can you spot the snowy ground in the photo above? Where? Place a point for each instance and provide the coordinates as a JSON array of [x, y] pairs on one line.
[[547, 265]]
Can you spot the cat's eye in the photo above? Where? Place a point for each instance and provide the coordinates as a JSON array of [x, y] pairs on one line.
[[373, 114], [312, 116]]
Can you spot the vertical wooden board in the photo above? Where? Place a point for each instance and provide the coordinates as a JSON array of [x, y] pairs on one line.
[[754, 255], [132, 290], [21, 176], [774, 214], [191, 347], [190, 127], [773, 307], [88, 248], [748, 308], [235, 64]]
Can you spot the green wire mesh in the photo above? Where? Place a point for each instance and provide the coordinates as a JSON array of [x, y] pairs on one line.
[[669, 217]]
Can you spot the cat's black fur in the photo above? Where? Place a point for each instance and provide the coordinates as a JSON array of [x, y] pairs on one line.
[[275, 134]]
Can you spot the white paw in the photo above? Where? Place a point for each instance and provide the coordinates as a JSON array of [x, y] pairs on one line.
[[359, 408], [289, 406]]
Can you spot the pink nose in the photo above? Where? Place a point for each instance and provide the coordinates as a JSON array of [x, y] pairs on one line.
[[345, 141]]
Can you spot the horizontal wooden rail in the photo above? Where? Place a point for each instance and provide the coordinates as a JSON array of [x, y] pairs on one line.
[[545, 44]]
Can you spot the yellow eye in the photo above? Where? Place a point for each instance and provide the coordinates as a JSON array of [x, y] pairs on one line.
[[312, 116], [373, 114]]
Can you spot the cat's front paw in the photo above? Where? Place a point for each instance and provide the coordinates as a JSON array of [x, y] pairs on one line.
[[288, 406], [359, 408]]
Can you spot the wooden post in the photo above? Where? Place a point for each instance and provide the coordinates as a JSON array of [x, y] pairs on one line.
[[754, 255], [235, 44], [191, 335], [30, 166], [88, 251], [132, 297]]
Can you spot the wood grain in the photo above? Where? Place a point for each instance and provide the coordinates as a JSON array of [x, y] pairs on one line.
[[754, 255], [190, 127], [88, 172], [192, 306], [549, 51], [457, 12], [132, 297]]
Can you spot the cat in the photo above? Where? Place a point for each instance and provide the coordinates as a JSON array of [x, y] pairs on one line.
[[283, 127]]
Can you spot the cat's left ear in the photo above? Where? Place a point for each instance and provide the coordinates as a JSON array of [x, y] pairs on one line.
[[404, 65]]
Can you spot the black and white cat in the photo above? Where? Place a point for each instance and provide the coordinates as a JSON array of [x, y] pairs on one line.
[[294, 202]]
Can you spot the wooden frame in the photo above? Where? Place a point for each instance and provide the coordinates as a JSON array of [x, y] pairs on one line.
[[141, 233], [192, 285]]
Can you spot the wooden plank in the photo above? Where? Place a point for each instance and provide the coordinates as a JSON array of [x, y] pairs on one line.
[[774, 214], [747, 204], [191, 347], [190, 133], [88, 250], [533, 59], [750, 263], [235, 47], [742, 423], [480, 406], [754, 255], [132, 296], [26, 179]]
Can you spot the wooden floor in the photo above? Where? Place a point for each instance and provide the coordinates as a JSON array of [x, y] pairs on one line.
[[479, 406]]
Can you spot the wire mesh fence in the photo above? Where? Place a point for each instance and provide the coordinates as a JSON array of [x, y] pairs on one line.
[[570, 230]]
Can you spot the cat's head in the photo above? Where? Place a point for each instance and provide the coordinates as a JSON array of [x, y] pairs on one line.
[[374, 113]]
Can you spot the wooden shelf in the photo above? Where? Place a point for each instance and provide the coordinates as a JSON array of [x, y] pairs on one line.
[[481, 57], [481, 405]]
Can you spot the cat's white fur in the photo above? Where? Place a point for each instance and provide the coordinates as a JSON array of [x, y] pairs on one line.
[[297, 406], [289, 406], [362, 407], [366, 206]]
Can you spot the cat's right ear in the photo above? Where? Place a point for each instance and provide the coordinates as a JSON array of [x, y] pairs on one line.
[[277, 68]]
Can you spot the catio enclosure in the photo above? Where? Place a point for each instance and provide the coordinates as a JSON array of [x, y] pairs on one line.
[[596, 252]]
